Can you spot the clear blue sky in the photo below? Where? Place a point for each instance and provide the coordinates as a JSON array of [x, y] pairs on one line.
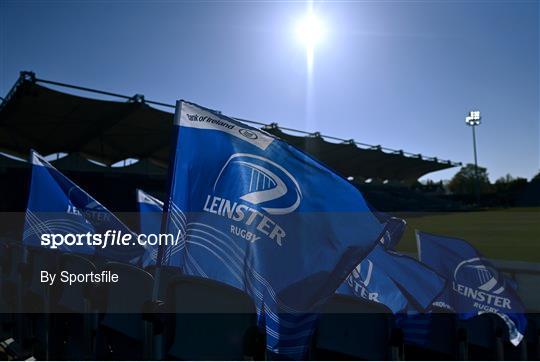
[[402, 74]]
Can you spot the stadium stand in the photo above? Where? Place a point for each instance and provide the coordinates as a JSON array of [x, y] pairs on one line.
[[112, 131], [399, 198], [95, 134]]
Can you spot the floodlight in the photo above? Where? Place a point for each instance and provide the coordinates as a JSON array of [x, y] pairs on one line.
[[473, 119]]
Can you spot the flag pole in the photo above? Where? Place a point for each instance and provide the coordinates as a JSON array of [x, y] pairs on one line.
[[166, 202], [418, 245]]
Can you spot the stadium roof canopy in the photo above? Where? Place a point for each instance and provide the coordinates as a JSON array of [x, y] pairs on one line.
[[33, 116]]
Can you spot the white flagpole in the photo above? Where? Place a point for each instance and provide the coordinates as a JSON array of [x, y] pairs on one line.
[[418, 244]]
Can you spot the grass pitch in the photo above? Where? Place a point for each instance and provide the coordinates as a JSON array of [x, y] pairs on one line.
[[508, 234]]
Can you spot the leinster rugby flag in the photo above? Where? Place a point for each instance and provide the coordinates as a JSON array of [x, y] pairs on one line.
[[474, 286], [56, 206], [395, 227], [264, 217], [150, 215], [399, 282]]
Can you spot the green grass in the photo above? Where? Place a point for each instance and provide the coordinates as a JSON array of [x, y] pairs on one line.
[[508, 234]]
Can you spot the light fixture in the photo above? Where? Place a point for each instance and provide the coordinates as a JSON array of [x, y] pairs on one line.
[[473, 119]]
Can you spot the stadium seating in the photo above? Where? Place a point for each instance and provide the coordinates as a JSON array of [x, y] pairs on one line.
[[37, 299], [5, 266], [211, 321], [351, 328], [75, 308], [166, 275], [529, 349], [6, 293], [11, 276], [433, 336], [198, 313], [13, 284], [485, 337], [123, 333], [37, 293], [533, 336], [75, 298]]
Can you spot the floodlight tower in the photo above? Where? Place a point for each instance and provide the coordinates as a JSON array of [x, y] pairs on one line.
[[473, 120]]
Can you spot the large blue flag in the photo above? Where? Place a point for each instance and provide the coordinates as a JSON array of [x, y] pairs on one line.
[[264, 217], [398, 281], [150, 215], [475, 285], [58, 206]]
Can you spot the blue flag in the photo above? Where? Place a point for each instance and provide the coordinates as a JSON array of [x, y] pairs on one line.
[[395, 227], [58, 206], [258, 214], [475, 286], [150, 210], [399, 282], [150, 215]]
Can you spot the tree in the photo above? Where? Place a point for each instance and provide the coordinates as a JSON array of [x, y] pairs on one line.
[[508, 184], [464, 181], [505, 179]]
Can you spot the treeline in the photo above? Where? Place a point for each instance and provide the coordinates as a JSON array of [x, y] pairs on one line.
[[505, 191]]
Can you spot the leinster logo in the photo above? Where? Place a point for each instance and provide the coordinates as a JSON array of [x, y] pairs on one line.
[[475, 273], [259, 181], [482, 285], [249, 191], [359, 280]]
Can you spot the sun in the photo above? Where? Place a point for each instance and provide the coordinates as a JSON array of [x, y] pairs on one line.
[[310, 31]]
